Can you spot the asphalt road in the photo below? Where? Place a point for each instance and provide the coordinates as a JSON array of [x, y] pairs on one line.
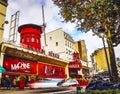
[[60, 90]]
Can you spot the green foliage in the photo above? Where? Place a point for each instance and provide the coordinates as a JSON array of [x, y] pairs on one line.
[[102, 92], [98, 16], [91, 15], [22, 77], [32, 78]]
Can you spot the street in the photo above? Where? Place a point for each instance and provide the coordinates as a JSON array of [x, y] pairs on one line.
[[60, 90]]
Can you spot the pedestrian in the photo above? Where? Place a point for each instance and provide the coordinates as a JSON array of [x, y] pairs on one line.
[[8, 82], [3, 82], [14, 83]]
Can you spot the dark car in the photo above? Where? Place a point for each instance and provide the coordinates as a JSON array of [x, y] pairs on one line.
[[116, 86], [99, 85]]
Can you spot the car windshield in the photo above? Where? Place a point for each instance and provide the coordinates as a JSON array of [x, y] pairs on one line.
[[71, 81]]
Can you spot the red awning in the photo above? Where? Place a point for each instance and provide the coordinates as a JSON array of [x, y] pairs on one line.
[[17, 74]]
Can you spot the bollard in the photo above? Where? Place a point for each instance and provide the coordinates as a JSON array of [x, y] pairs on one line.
[[78, 89]]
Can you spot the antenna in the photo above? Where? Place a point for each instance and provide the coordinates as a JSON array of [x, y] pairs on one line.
[[44, 25]]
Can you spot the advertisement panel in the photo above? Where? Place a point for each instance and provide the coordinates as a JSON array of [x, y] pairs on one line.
[[50, 71]]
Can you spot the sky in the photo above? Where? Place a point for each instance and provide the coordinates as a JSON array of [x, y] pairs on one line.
[[31, 12]]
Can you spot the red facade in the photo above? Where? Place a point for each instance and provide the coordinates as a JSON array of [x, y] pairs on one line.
[[30, 35], [19, 66], [51, 71], [75, 66]]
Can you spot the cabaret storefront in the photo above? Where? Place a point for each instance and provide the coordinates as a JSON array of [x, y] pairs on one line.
[[19, 66], [28, 58], [74, 69], [75, 66]]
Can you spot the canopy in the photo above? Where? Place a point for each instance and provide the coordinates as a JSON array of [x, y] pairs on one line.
[[2, 69]]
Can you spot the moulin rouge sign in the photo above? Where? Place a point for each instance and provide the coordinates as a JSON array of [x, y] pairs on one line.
[[42, 51], [19, 65]]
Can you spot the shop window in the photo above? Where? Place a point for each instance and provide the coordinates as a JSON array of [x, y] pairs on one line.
[[73, 72]]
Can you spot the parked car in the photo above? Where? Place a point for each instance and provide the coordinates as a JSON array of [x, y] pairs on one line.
[[99, 85], [43, 84], [116, 86], [70, 82]]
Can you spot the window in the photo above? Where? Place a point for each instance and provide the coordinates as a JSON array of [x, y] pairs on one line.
[[37, 40], [56, 43], [22, 40], [32, 39], [50, 38], [68, 43], [27, 39], [69, 52], [66, 51], [65, 42]]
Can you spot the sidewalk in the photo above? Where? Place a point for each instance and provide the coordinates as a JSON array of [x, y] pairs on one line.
[[75, 89], [17, 88]]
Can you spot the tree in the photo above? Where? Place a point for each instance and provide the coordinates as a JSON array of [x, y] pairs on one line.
[[95, 16]]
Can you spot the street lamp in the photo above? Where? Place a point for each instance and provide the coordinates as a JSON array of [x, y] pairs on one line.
[[6, 22]]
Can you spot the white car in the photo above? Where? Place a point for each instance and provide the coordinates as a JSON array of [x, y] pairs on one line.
[[43, 84], [70, 82]]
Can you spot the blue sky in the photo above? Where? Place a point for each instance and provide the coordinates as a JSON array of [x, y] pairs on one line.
[[31, 12]]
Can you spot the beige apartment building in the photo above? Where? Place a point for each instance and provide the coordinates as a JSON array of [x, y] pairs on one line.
[[60, 43], [63, 44], [3, 7]]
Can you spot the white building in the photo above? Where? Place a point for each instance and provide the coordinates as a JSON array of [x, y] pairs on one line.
[[118, 65], [60, 43]]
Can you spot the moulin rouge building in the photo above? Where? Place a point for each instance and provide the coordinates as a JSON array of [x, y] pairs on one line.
[[28, 58]]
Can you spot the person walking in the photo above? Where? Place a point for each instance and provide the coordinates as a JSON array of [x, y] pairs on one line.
[[14, 83], [8, 82], [3, 82]]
